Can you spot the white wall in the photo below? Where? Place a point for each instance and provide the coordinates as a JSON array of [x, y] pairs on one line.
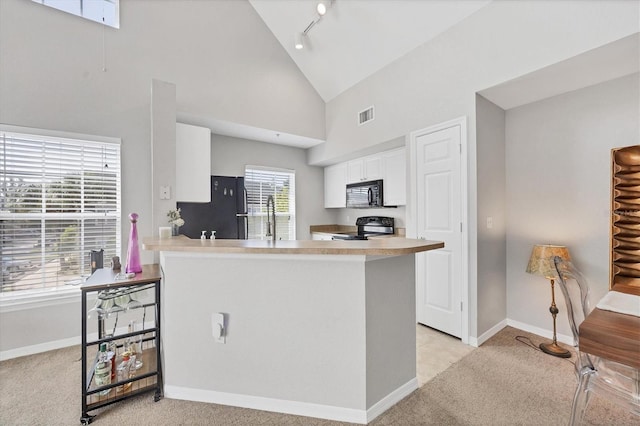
[[222, 59], [558, 178], [229, 156], [492, 243], [437, 81], [163, 151], [329, 338]]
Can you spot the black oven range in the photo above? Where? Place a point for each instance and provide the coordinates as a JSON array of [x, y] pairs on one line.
[[370, 226]]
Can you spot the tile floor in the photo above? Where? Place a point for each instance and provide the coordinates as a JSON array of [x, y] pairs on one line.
[[436, 351]]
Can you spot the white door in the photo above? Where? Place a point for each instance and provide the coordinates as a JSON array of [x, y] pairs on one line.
[[439, 217]]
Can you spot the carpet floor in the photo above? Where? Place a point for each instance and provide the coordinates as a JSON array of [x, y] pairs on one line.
[[504, 382]]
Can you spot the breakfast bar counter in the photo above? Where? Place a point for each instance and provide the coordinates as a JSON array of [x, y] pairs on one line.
[[387, 246], [314, 328]]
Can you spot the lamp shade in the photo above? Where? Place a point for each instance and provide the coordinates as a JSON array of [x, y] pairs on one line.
[[541, 260]]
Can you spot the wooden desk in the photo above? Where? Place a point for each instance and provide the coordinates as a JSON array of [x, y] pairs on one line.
[[612, 336]]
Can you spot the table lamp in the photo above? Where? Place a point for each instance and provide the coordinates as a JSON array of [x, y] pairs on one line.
[[541, 263]]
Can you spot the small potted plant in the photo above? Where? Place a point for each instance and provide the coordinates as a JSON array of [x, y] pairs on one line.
[[175, 220]]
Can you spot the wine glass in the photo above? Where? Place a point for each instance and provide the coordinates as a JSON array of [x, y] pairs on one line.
[[121, 299], [135, 346], [133, 303], [103, 305], [96, 309], [107, 302]]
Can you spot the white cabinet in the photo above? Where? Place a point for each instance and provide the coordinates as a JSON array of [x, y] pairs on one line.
[[355, 171], [390, 166], [365, 168], [335, 182], [394, 165], [193, 163]]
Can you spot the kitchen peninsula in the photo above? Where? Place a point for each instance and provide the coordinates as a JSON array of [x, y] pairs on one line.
[[315, 328]]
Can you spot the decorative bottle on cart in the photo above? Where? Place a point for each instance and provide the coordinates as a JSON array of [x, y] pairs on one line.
[[124, 371], [133, 253], [102, 372]]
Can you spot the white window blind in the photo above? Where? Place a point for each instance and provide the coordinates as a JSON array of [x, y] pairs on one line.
[[261, 182], [60, 199]]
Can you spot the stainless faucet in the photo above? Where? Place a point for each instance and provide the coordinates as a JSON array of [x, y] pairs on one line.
[[273, 217]]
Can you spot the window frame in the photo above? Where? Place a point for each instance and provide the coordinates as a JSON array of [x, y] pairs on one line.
[[292, 196], [116, 11], [49, 296]]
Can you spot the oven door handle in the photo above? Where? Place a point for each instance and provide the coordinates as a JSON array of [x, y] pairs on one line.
[[370, 196]]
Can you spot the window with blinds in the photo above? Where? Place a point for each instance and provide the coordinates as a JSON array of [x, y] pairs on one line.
[[261, 182], [60, 199]]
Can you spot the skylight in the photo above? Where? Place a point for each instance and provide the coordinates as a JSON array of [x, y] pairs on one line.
[[106, 12]]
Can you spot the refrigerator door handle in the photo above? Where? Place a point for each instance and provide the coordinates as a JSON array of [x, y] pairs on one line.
[[245, 214], [244, 200], [245, 219]]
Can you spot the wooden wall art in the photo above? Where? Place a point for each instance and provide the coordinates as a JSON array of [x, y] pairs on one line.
[[625, 220]]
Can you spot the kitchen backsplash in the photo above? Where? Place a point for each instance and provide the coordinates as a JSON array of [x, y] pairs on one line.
[[349, 216]]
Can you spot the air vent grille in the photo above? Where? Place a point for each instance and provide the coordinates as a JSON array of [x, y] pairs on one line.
[[365, 116]]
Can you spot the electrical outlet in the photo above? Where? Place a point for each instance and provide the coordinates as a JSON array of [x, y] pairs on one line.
[[489, 222], [219, 328]]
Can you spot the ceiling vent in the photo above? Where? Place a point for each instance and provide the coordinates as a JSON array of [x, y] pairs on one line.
[[365, 116]]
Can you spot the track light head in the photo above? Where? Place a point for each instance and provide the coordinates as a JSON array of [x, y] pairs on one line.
[[298, 41], [322, 7]]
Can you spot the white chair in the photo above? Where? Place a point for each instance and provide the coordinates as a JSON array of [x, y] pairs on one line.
[[617, 382]]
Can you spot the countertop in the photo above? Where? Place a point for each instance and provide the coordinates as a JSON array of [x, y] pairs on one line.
[[345, 229], [390, 246]]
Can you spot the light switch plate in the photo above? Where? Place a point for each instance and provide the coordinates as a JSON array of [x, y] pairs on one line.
[[165, 192]]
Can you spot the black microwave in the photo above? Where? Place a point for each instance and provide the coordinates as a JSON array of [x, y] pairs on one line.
[[365, 194]]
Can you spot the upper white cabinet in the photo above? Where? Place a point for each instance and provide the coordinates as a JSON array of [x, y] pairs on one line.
[[365, 168], [390, 166], [335, 183], [394, 164], [193, 163]]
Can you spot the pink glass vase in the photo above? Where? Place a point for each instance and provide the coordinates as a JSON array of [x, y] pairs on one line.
[[133, 253]]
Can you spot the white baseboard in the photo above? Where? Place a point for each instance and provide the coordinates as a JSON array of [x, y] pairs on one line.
[[307, 409], [540, 331], [392, 399], [520, 326], [55, 344], [40, 347], [488, 334]]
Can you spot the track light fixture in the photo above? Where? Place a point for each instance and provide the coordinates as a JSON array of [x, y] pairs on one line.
[[321, 8], [298, 41]]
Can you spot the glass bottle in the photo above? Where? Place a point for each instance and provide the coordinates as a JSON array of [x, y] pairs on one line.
[[135, 346], [124, 371], [111, 355], [133, 253], [102, 371], [129, 342]]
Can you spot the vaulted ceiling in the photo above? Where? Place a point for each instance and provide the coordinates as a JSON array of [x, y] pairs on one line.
[[356, 38]]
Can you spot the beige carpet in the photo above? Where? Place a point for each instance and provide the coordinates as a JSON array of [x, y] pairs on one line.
[[504, 382]]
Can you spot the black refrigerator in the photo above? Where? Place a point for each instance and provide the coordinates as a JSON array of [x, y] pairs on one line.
[[226, 213]]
